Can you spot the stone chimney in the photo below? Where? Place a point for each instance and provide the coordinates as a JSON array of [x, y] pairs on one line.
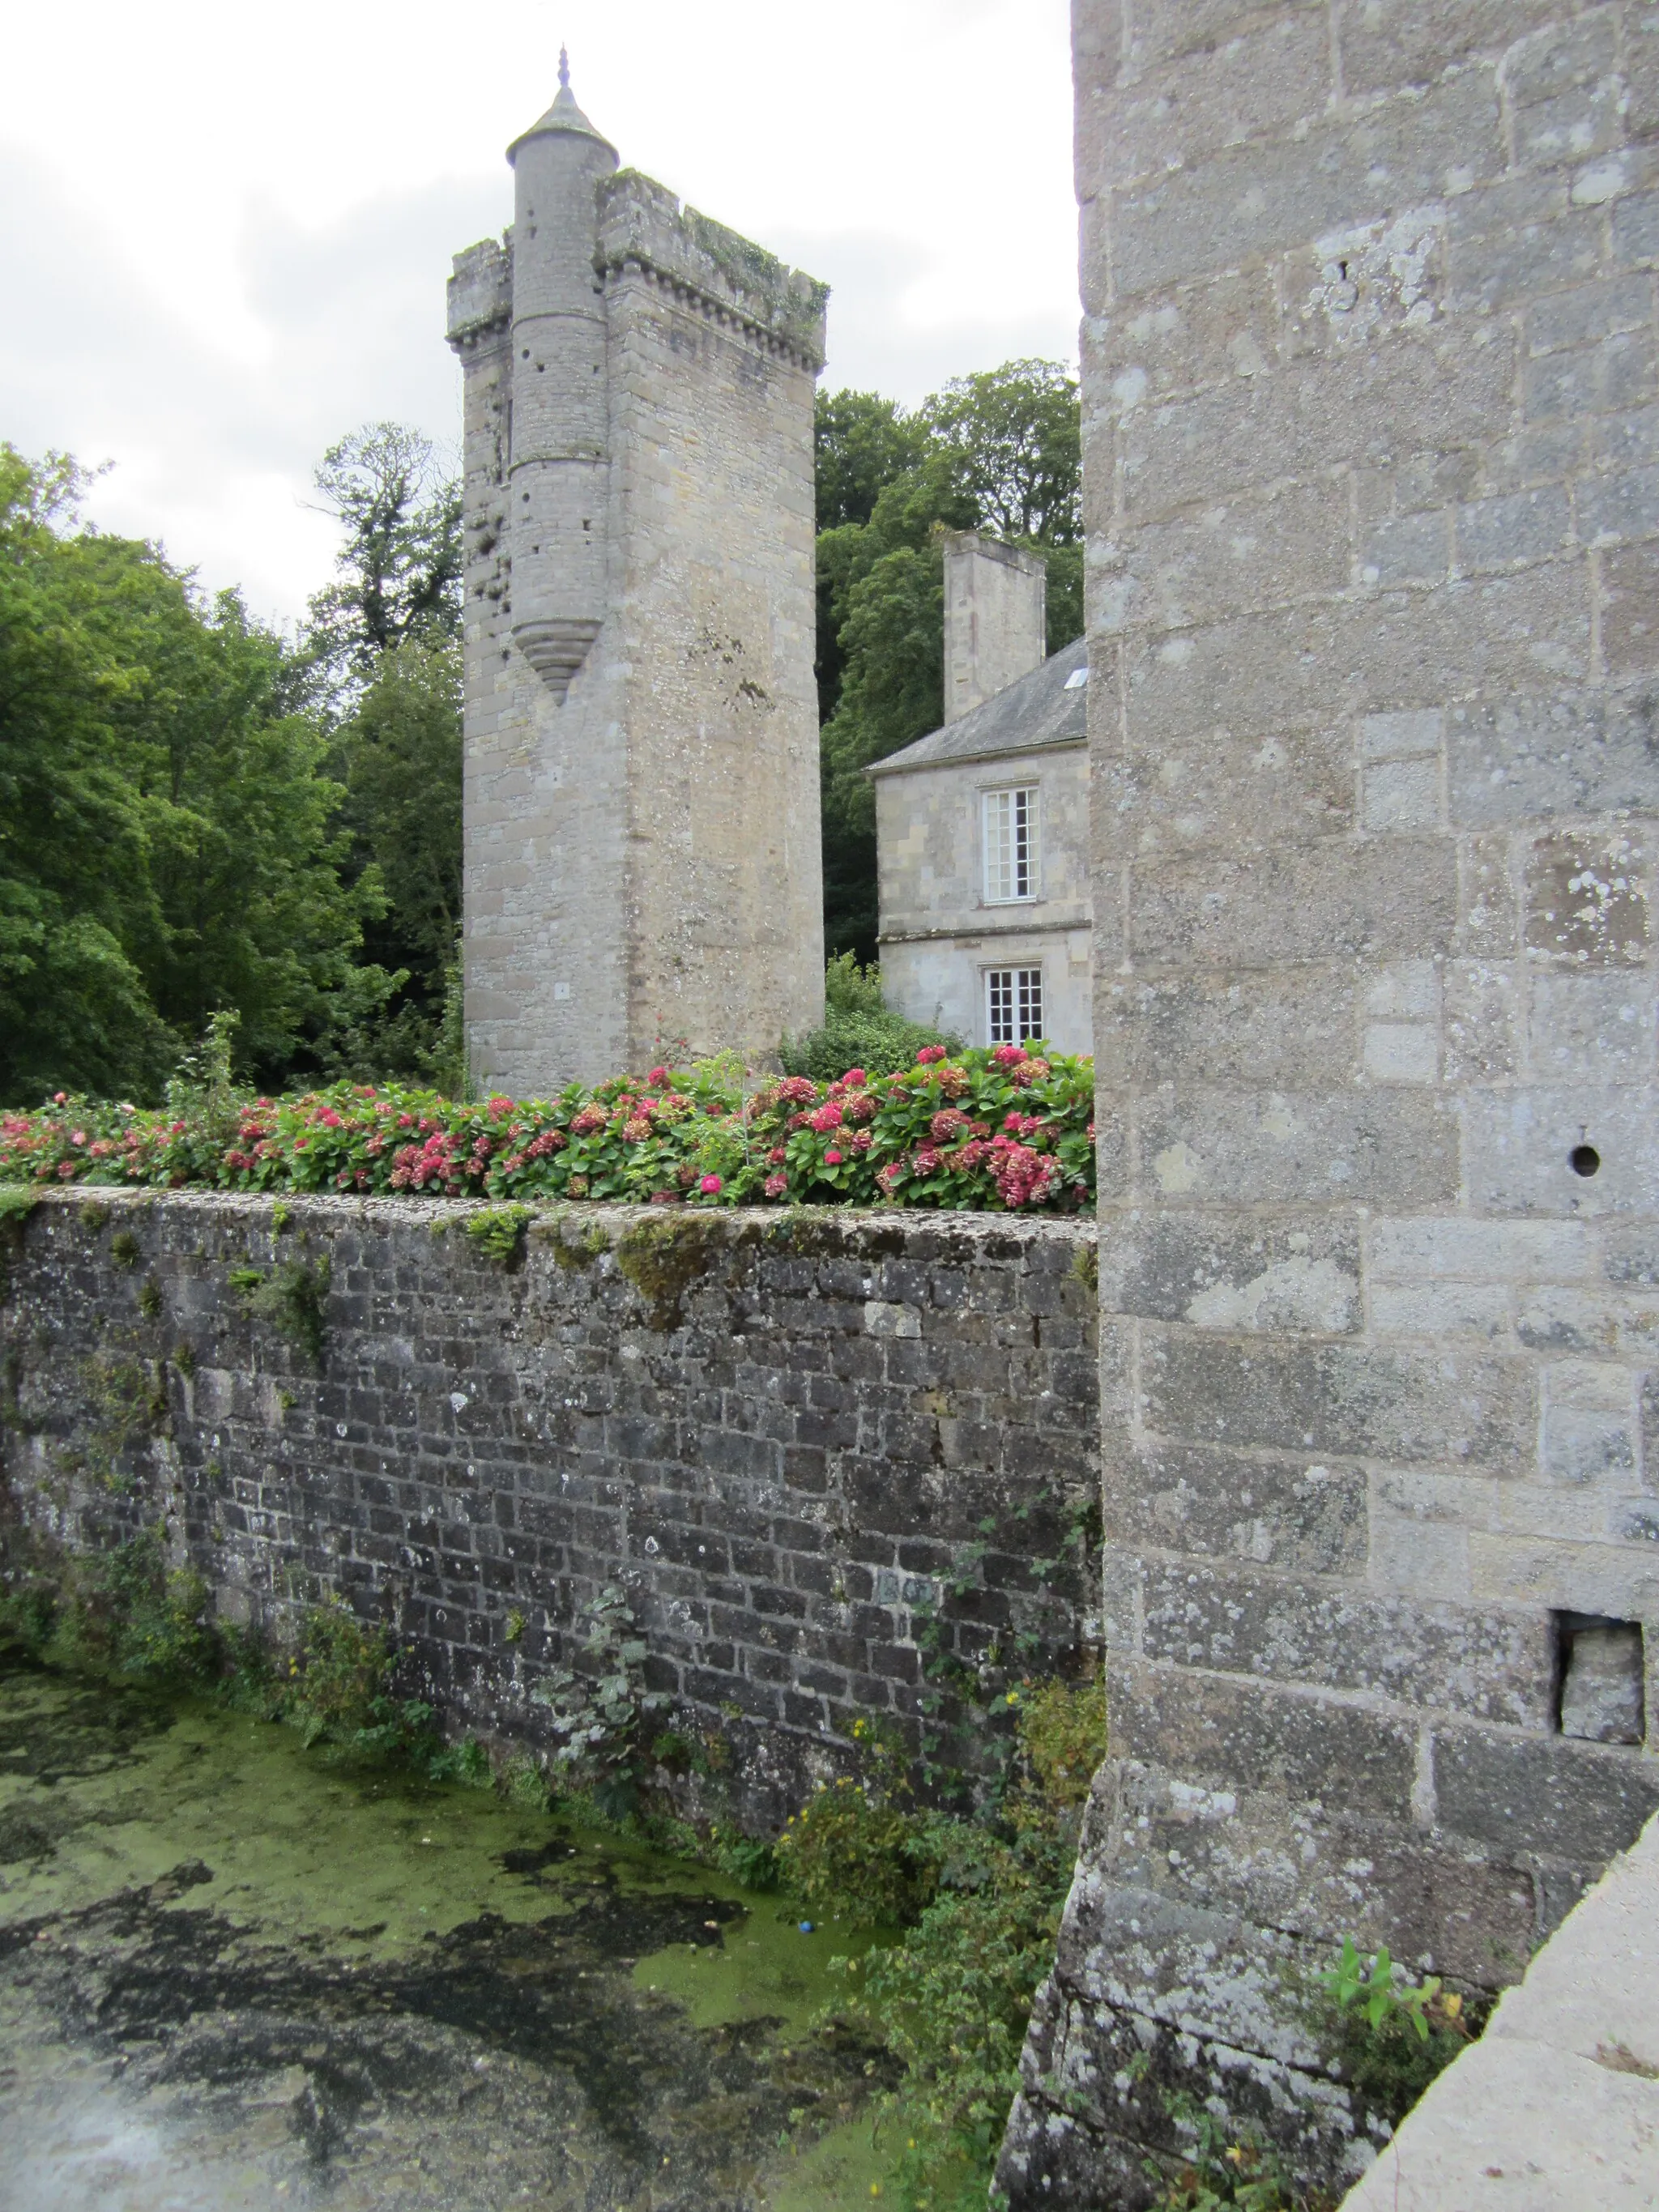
[[995, 618]]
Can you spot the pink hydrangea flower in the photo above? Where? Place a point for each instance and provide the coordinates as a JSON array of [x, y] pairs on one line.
[[776, 1185], [832, 1159], [711, 1185]]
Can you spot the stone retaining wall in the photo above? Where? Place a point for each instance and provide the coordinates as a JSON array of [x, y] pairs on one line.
[[789, 1436]]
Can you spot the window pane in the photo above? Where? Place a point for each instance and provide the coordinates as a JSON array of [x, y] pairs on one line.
[[999, 845], [1000, 1006], [1029, 1011], [1029, 886]]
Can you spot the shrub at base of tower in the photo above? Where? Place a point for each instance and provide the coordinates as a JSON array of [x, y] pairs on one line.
[[860, 1029]]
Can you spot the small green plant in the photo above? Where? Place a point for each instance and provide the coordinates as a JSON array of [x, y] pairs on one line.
[[853, 1850], [1392, 2035], [92, 1216], [294, 1299], [751, 1860], [246, 1280], [601, 1712], [337, 1677], [513, 1632], [282, 1218], [18, 1201], [124, 1248], [466, 1762], [500, 1230], [523, 1783], [184, 1360], [203, 1089], [149, 1300], [1226, 2168]]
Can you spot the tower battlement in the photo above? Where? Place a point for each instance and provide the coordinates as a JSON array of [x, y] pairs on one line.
[[642, 864]]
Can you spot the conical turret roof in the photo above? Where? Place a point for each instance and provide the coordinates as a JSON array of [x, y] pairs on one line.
[[563, 115]]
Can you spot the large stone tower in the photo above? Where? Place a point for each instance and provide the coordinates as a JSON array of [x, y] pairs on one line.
[[642, 863], [1371, 366]]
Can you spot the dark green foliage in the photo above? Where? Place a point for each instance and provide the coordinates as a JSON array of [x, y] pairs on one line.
[[751, 1860], [399, 753], [859, 1030], [293, 1298], [126, 1613], [982, 1898], [167, 827], [399, 571], [603, 1710], [1000, 452]]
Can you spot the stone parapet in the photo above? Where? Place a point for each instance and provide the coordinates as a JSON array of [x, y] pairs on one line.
[[642, 225]]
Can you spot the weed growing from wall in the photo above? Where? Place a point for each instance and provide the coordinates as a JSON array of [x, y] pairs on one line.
[[499, 1232], [293, 1299], [603, 1710]]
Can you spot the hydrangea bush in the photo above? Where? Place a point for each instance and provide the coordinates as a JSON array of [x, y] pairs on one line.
[[1009, 1129]]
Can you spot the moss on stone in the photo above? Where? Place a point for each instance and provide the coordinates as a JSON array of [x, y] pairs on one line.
[[663, 1257]]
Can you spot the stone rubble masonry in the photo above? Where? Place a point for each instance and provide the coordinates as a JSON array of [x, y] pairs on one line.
[[995, 619], [1371, 463], [781, 1433], [1556, 2108], [641, 856]]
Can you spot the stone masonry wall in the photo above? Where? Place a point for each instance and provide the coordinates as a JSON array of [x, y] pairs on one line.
[[782, 1435], [1373, 516]]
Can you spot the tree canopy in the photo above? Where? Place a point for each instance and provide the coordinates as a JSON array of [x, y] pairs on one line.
[[198, 816], [1000, 452]]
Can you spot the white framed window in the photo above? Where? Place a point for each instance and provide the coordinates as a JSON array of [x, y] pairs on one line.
[[1013, 1004], [1011, 844]]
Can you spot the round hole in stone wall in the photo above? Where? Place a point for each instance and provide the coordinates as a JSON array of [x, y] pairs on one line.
[[1583, 1159]]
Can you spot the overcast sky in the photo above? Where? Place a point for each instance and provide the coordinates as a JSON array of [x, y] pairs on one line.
[[224, 231]]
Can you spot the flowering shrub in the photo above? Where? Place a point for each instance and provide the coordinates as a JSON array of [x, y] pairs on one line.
[[1008, 1129]]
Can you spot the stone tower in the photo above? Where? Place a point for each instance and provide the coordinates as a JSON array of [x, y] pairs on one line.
[[642, 858], [1372, 410]]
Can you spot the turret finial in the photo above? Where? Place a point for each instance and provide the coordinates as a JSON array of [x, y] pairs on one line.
[[564, 68]]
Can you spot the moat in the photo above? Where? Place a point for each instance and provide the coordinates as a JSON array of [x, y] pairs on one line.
[[235, 1972]]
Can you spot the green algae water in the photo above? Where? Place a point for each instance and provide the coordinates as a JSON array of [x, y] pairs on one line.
[[236, 1974]]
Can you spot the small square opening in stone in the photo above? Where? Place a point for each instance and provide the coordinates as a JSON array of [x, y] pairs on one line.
[[1600, 1669]]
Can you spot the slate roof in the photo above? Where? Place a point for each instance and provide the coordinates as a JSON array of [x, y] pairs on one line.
[[1037, 711]]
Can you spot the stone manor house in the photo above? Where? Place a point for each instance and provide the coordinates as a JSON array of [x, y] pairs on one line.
[[982, 826]]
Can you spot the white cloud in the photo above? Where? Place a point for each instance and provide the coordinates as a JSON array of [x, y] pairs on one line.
[[233, 247]]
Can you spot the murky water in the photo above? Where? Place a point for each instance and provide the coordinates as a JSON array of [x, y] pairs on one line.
[[233, 1973]]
